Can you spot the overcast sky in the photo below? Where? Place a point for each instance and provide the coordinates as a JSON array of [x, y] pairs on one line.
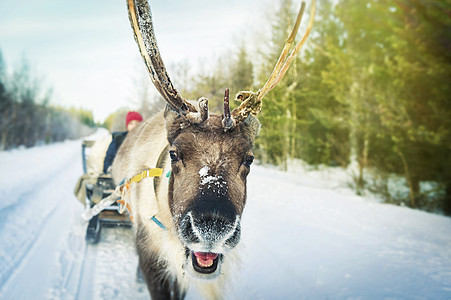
[[85, 50]]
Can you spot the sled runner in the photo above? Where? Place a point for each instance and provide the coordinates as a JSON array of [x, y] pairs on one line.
[[93, 187]]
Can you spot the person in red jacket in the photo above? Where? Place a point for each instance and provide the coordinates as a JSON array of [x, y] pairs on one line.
[[132, 120]]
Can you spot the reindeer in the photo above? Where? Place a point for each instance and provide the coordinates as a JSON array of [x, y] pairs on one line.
[[188, 225]]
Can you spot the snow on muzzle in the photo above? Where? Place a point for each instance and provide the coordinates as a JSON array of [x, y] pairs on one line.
[[208, 238]]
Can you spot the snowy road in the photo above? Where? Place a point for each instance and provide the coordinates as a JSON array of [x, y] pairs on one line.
[[305, 236]]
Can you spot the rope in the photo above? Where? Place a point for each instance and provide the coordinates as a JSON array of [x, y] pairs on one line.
[[121, 195], [89, 213]]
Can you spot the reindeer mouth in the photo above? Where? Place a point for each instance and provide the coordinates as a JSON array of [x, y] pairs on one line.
[[205, 262], [203, 265]]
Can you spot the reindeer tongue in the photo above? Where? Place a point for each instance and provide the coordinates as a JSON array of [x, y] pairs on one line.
[[205, 259]]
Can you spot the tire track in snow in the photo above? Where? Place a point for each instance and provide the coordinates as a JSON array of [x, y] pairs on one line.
[[21, 248], [109, 268], [85, 278], [16, 190], [23, 222], [18, 197], [71, 256]]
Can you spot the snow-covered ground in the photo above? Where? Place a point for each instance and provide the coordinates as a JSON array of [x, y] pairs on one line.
[[305, 236]]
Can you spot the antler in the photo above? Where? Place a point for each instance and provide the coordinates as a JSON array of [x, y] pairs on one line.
[[141, 22], [251, 101], [227, 122]]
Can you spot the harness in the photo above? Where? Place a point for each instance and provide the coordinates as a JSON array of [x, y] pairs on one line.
[[121, 193]]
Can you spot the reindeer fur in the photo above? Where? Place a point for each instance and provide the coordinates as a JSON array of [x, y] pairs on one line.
[[162, 254]]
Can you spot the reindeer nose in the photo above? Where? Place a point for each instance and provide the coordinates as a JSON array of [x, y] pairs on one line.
[[210, 231], [211, 226]]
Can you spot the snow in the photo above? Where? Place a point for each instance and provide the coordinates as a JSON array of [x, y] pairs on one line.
[[305, 235], [214, 183], [204, 171], [206, 179]]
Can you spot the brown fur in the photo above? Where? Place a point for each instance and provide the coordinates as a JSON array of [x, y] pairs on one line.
[[163, 253], [207, 144]]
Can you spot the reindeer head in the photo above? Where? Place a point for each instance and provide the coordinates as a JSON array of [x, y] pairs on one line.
[[211, 154]]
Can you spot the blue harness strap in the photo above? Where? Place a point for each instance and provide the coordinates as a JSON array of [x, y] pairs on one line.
[[158, 222]]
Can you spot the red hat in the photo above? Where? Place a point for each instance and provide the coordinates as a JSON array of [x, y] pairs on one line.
[[132, 115]]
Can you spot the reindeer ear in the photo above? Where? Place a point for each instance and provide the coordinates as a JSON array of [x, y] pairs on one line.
[[251, 126], [174, 122], [170, 114]]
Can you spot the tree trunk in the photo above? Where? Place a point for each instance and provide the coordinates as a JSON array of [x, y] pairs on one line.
[[353, 130], [3, 141], [447, 200], [413, 185], [293, 131], [363, 162], [286, 140], [288, 137]]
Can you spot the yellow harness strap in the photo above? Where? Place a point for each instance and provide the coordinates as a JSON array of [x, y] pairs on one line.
[[154, 172]]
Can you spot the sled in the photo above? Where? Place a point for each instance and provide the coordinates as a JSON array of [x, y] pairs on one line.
[[98, 187]]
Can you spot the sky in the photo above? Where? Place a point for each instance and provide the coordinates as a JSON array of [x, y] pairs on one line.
[[85, 52]]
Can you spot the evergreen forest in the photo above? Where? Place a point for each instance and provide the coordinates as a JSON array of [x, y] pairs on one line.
[[371, 91]]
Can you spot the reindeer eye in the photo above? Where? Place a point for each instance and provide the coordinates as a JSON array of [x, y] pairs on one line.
[[174, 156], [249, 160]]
